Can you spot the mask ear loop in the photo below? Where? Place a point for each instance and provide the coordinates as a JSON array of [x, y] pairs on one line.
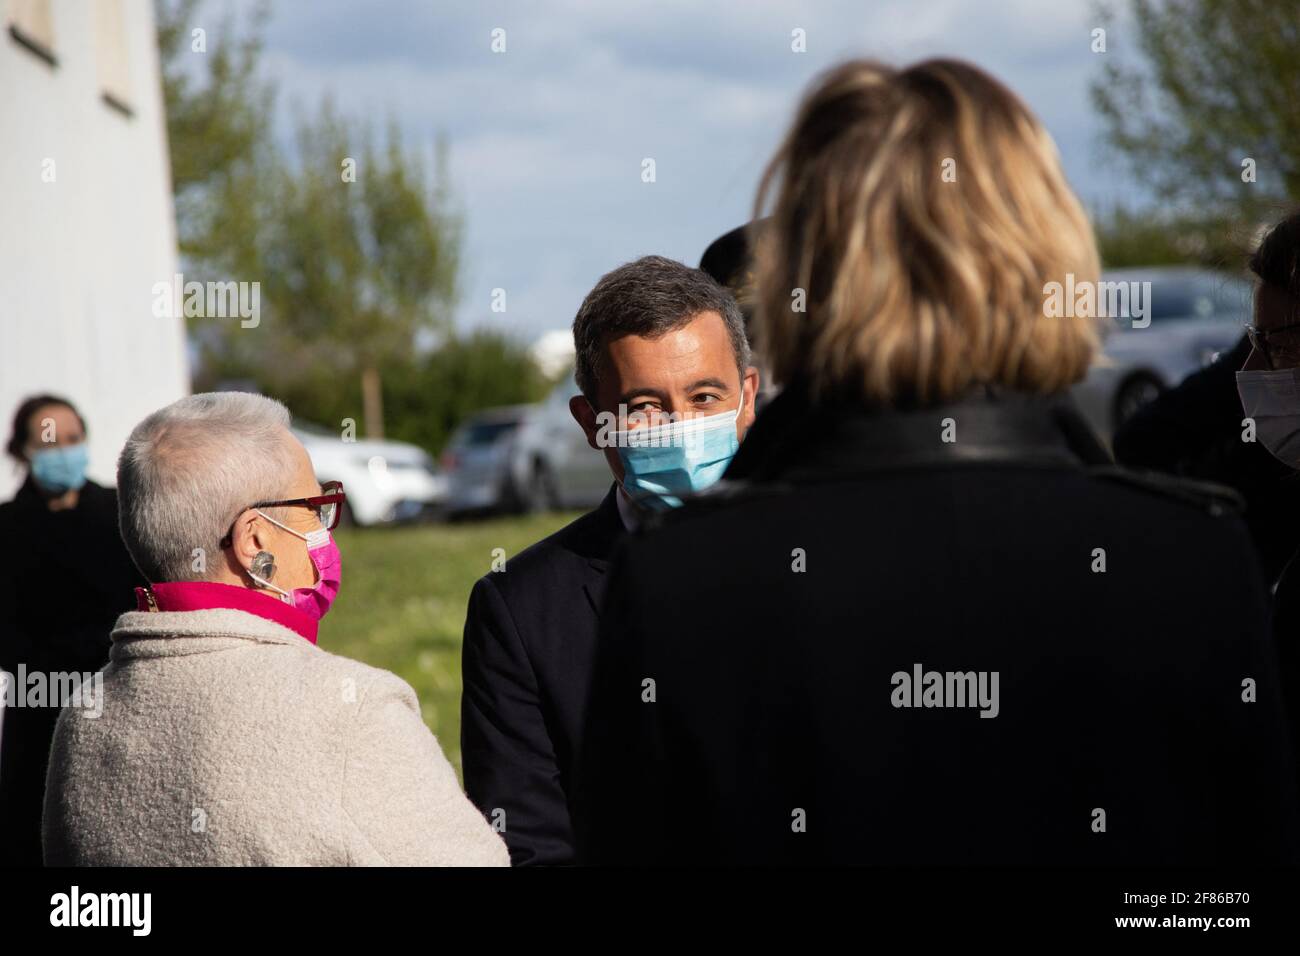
[[316, 539]]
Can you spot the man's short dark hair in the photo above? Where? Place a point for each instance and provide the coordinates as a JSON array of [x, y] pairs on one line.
[[649, 297]]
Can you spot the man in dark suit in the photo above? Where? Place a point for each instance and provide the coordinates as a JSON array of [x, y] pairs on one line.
[[661, 347]]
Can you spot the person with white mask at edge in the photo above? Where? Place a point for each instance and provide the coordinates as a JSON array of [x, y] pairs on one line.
[[1269, 381], [1269, 386], [227, 736]]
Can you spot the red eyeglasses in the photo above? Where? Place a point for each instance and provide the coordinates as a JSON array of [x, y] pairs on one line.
[[327, 506]]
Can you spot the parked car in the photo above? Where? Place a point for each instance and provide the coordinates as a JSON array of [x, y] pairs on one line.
[[385, 481], [553, 463], [478, 462], [525, 458], [1194, 315]]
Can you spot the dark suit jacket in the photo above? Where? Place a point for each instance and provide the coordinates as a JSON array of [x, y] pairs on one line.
[[530, 640], [774, 735]]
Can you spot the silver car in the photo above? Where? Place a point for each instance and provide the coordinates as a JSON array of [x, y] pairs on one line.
[[1194, 315], [553, 465], [478, 462]]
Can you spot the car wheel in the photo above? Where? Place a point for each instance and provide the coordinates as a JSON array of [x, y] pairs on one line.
[[1136, 392], [550, 489], [540, 494]]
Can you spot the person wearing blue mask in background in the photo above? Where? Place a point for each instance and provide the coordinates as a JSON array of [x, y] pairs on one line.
[[65, 576], [663, 364]]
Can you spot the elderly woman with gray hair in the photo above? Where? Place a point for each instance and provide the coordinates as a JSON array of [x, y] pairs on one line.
[[227, 737]]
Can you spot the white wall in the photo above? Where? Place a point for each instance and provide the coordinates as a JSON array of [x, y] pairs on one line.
[[79, 256]]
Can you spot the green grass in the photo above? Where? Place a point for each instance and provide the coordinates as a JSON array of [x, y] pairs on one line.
[[402, 604]]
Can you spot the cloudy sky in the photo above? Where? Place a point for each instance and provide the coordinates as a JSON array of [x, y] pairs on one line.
[[547, 139]]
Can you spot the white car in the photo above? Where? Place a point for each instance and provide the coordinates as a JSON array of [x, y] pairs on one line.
[[385, 481], [1194, 315]]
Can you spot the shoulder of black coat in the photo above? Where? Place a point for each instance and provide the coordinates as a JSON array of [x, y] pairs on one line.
[[1205, 496]]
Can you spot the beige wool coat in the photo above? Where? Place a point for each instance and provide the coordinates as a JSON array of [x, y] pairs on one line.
[[229, 740]]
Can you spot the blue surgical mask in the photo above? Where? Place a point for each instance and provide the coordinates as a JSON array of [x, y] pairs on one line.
[[60, 469], [663, 462]]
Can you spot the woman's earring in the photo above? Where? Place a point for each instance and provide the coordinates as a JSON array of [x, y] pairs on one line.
[[263, 565]]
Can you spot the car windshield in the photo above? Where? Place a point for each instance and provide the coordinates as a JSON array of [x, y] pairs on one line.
[[1171, 300], [479, 434], [1177, 300]]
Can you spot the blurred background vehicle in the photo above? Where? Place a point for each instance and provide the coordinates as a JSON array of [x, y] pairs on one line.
[[478, 463], [524, 459], [385, 481], [1195, 314], [553, 457]]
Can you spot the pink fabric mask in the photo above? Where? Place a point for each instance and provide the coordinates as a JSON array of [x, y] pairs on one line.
[[314, 601]]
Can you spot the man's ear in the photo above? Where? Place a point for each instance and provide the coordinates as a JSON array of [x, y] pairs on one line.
[[749, 389], [585, 416]]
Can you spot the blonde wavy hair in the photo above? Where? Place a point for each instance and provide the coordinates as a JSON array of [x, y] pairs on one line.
[[921, 212]]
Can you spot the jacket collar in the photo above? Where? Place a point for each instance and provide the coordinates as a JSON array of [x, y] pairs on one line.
[[600, 533], [795, 439], [209, 595], [174, 633], [597, 545]]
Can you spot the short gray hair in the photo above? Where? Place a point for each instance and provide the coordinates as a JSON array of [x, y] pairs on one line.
[[649, 297], [190, 469]]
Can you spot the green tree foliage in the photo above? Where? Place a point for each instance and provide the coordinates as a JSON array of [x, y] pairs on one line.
[[1128, 237], [1217, 85], [429, 398], [360, 256], [351, 235], [218, 113], [424, 398], [1213, 86]]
